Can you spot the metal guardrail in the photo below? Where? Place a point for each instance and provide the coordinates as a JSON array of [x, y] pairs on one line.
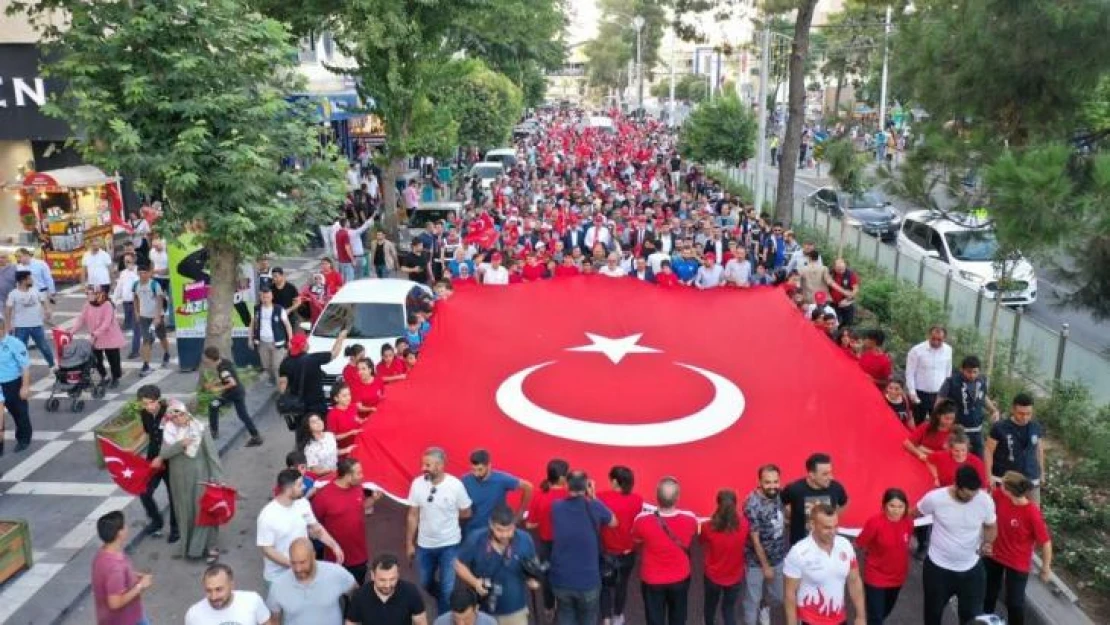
[[1049, 352]]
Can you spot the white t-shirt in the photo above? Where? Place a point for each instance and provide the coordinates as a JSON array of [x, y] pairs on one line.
[[957, 527], [439, 518], [655, 261], [495, 275], [160, 263], [265, 327], [612, 272], [246, 608], [99, 266], [278, 526], [823, 578]]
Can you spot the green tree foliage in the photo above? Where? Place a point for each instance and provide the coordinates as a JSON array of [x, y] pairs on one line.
[[689, 87], [720, 130], [1008, 84], [614, 46], [188, 98], [484, 103]]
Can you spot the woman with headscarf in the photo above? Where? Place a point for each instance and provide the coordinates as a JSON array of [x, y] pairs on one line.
[[99, 318], [191, 456]]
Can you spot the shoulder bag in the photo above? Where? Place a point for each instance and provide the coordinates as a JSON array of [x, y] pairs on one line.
[[667, 530], [608, 564], [290, 406]]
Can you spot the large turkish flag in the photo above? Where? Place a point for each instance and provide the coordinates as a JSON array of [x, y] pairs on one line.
[[703, 385]]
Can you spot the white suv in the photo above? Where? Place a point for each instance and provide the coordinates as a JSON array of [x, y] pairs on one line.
[[968, 246]]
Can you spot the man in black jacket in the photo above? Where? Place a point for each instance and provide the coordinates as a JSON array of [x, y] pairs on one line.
[[153, 409]]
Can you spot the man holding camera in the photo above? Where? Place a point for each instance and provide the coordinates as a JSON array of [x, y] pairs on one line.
[[494, 562]]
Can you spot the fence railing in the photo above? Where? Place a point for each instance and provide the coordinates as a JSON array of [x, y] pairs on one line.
[[1048, 351]]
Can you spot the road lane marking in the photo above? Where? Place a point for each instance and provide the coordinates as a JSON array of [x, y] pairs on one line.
[[84, 531], [37, 435], [97, 416], [24, 587], [35, 461], [68, 489]]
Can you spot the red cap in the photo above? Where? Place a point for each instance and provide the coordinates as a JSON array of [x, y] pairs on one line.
[[820, 297], [298, 344]]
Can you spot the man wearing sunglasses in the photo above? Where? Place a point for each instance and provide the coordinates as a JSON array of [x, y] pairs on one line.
[[437, 502]]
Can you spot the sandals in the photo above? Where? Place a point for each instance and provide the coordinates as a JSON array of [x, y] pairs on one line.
[[212, 556]]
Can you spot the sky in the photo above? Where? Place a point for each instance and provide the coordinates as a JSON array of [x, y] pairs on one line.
[[583, 20]]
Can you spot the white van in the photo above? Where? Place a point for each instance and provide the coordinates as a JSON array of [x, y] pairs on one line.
[[505, 156], [968, 247]]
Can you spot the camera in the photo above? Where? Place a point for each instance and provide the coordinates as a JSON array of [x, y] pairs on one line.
[[535, 568]]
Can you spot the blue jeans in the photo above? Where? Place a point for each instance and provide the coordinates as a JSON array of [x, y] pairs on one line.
[[39, 336], [362, 267], [577, 607], [131, 324], [440, 560], [144, 621], [347, 270]]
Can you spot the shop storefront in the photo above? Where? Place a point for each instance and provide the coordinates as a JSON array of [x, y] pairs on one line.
[[336, 113]]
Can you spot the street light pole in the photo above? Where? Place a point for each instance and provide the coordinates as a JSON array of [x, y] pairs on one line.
[[886, 63], [638, 22], [671, 103], [761, 108]]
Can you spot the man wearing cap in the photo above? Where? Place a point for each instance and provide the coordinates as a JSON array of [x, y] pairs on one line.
[[495, 274], [27, 316]]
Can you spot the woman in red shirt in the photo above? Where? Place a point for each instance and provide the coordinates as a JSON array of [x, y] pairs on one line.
[[885, 542], [343, 420], [933, 434], [722, 539], [944, 464], [1021, 526], [873, 360], [366, 390], [354, 353], [391, 368], [617, 541], [552, 489]]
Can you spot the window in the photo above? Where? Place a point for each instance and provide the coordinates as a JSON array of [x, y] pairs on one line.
[[972, 245], [917, 233], [365, 321]]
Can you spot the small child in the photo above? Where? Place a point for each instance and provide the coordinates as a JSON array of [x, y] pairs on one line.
[[413, 333]]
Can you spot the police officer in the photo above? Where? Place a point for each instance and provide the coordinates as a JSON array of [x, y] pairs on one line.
[[968, 390]]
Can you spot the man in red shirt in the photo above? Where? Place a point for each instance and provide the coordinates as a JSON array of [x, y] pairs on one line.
[[666, 276], [843, 288], [1021, 526], [665, 535], [117, 589], [873, 360], [567, 268], [344, 253], [338, 507]]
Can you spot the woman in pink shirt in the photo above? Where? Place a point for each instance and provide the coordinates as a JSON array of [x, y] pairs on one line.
[[99, 318]]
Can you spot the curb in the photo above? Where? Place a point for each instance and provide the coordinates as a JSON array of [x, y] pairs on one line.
[[258, 403]]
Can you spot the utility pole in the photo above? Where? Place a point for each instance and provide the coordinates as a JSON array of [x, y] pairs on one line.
[[761, 110], [670, 117], [886, 63], [638, 22]]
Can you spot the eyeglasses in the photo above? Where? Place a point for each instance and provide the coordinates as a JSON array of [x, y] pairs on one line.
[[432, 495]]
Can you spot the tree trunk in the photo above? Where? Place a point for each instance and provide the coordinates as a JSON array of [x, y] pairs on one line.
[[223, 267], [796, 105], [836, 99], [390, 197]]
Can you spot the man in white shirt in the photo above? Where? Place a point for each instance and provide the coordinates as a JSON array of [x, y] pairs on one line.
[[738, 271], [124, 295], [928, 365], [710, 274], [358, 252], [437, 502], [495, 273], [964, 528], [160, 266], [97, 265], [270, 333], [310, 592], [816, 572], [223, 604], [286, 518], [354, 177], [612, 268], [598, 233]]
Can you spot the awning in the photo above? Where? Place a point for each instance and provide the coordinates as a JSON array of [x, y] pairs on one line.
[[67, 178], [331, 107]]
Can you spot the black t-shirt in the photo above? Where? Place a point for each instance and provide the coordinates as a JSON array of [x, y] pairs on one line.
[[225, 370], [366, 608], [304, 371], [284, 295], [152, 426], [800, 496], [676, 164], [419, 261]]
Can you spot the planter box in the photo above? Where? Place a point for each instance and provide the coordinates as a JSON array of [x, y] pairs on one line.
[[125, 430], [15, 548]]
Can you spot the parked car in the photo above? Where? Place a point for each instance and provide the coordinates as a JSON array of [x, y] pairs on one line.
[[448, 212], [373, 312], [526, 128], [869, 210], [967, 246], [505, 156], [486, 172]]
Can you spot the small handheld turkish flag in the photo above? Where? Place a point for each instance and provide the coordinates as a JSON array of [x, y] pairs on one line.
[[216, 506], [61, 339], [129, 471]]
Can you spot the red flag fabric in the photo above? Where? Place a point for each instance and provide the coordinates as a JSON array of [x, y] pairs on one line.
[[129, 471], [216, 506], [703, 385], [61, 339]]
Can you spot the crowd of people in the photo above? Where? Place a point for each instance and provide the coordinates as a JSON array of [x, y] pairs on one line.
[[490, 547]]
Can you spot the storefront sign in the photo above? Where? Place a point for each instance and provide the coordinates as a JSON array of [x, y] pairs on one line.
[[189, 279], [23, 92]]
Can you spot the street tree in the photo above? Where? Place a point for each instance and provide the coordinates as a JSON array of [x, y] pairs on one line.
[[719, 130], [485, 104], [614, 47], [846, 168], [189, 99]]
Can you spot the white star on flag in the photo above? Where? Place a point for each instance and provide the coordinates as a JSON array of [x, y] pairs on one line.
[[127, 473], [614, 349]]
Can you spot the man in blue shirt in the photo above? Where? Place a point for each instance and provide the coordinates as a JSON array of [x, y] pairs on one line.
[[15, 385], [575, 573], [491, 562], [487, 489], [685, 265]]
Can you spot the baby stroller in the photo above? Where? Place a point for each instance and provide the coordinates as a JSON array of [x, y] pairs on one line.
[[74, 376]]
